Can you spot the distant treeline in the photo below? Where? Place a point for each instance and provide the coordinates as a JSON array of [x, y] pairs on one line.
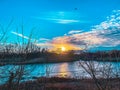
[[34, 54], [111, 55]]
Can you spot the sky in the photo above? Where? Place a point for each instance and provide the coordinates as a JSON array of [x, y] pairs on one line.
[[94, 24]]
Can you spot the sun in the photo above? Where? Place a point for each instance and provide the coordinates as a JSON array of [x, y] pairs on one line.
[[63, 48]]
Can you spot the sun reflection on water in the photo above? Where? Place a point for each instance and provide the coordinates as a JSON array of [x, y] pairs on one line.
[[63, 70]]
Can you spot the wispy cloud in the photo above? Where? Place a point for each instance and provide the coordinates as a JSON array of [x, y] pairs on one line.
[[61, 17], [44, 39], [44, 45], [60, 20], [65, 21], [74, 31], [38, 42], [20, 35]]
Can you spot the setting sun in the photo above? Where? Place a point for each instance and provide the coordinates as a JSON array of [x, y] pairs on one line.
[[63, 48]]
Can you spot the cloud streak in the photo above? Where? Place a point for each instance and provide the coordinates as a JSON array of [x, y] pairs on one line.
[[74, 31], [44, 39], [65, 21], [20, 35], [60, 20], [42, 42], [61, 17]]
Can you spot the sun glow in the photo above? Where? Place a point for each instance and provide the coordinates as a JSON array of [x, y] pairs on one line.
[[63, 48]]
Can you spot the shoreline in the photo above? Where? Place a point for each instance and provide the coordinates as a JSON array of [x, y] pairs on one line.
[[45, 61], [57, 83]]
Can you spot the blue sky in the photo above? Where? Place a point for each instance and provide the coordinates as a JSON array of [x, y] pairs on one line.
[[55, 19]]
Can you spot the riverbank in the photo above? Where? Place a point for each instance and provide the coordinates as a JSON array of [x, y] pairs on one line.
[[34, 61], [45, 61], [57, 83]]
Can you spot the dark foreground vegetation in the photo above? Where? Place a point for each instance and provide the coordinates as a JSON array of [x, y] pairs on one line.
[[57, 83]]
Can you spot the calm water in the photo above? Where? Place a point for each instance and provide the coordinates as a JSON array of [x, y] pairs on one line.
[[71, 69]]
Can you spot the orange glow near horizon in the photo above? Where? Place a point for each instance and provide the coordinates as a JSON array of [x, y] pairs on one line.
[[59, 48]]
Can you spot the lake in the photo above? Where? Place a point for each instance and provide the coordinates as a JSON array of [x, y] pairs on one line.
[[66, 69]]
